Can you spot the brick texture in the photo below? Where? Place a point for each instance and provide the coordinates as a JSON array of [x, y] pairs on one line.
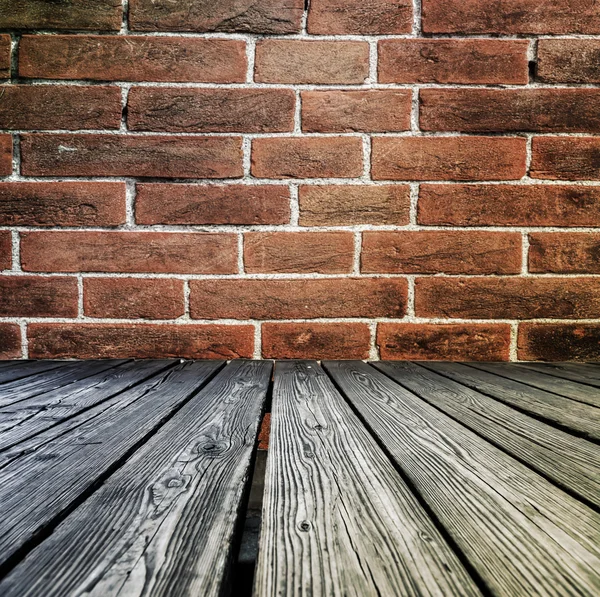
[[5, 54], [10, 341], [568, 60], [32, 296], [562, 158], [559, 342], [6, 155], [565, 253], [5, 249]]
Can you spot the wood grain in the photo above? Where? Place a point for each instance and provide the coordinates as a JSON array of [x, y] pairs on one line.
[[578, 372], [11, 370]]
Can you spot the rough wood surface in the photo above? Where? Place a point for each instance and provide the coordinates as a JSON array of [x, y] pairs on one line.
[[11, 370], [164, 523], [338, 519], [523, 535], [578, 372], [570, 461]]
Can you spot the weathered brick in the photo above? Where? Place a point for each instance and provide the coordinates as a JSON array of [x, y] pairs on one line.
[[511, 16], [5, 249], [568, 60], [101, 15], [506, 110], [298, 298], [509, 205], [69, 107], [564, 252], [33, 296], [353, 17], [566, 158], [309, 157], [151, 252], [161, 156], [311, 62], [5, 57], [62, 203], [345, 205], [315, 340], [372, 111], [448, 158], [132, 58], [109, 341], [10, 341], [443, 342], [559, 342], [186, 204], [211, 110], [464, 61], [245, 16], [508, 298], [440, 251], [6, 155], [133, 298], [294, 252]]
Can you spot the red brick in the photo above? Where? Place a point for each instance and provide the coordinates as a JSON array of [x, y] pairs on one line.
[[62, 203], [448, 158], [109, 341], [6, 148], [443, 342], [132, 58], [345, 205], [506, 110], [5, 57], [185, 204], [105, 15], [133, 298], [372, 111], [245, 16], [5, 249], [568, 60], [308, 157], [151, 252], [264, 433], [353, 17], [564, 252], [315, 340], [69, 107], [299, 252], [566, 158], [10, 341], [211, 110], [33, 296], [465, 61], [440, 251], [161, 156], [511, 16], [509, 205], [299, 298], [508, 298], [559, 342], [311, 62]]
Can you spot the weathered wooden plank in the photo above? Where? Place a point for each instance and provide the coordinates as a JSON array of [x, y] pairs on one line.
[[38, 488], [570, 461], [522, 534], [164, 523], [578, 372], [569, 414], [20, 369], [27, 418], [337, 518]]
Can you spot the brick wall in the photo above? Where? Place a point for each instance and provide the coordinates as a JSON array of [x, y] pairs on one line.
[[342, 179]]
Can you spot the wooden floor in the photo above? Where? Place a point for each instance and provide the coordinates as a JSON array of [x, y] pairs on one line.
[[132, 478]]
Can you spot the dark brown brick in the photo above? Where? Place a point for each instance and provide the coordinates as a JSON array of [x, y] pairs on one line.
[[564, 252], [559, 342], [151, 252], [10, 341], [566, 158], [62, 203], [5, 249], [315, 341], [33, 296], [5, 57], [568, 60], [133, 298], [245, 16], [109, 341], [211, 110], [264, 433], [298, 298], [443, 342], [509, 205], [435, 251], [132, 58], [6, 156], [184, 204], [161, 156]]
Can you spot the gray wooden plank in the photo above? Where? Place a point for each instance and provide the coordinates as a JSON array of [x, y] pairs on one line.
[[21, 369], [577, 372], [556, 385], [570, 461], [337, 517], [38, 488], [522, 534], [27, 418], [164, 523], [575, 416]]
